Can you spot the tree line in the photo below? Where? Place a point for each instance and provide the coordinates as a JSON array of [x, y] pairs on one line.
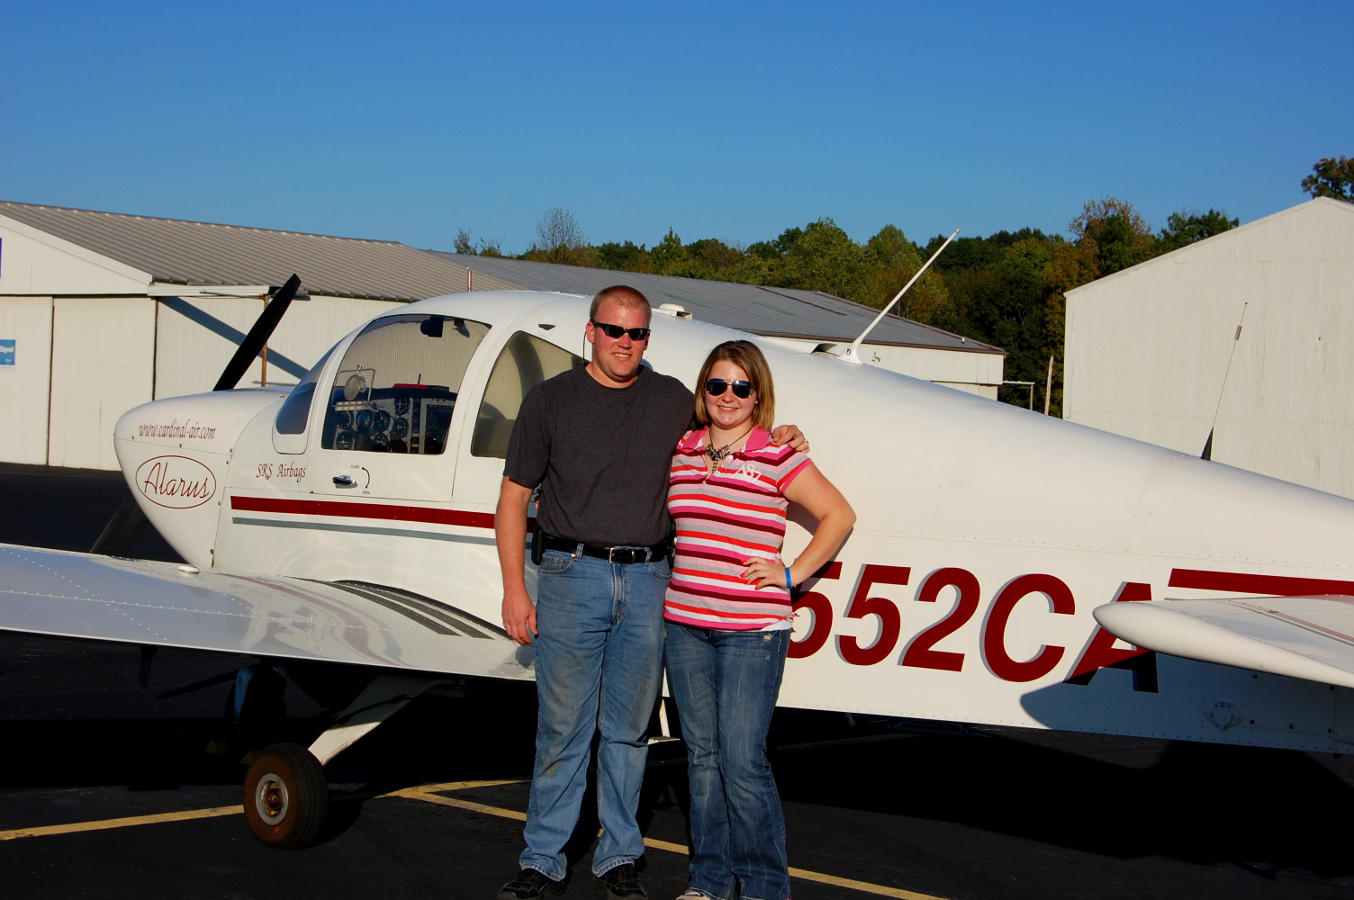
[[1007, 289]]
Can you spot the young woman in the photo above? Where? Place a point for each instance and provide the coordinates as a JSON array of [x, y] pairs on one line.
[[728, 616]]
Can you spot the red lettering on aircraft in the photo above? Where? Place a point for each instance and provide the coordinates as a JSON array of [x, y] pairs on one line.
[[922, 650], [175, 482], [921, 653], [862, 605], [1060, 601], [819, 608], [1259, 585], [1100, 652]]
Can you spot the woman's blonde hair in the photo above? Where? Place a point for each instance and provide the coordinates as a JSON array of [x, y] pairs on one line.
[[746, 356]]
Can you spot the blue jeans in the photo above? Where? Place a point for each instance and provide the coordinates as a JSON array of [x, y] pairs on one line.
[[725, 684], [599, 656]]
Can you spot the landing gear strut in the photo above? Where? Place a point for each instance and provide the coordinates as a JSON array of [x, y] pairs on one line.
[[286, 794]]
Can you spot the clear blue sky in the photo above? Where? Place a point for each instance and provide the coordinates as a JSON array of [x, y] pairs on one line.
[[409, 121]]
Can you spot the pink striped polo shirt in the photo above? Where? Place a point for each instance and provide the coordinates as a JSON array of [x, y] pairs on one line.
[[735, 513]]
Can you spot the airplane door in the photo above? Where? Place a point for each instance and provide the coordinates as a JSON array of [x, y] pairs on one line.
[[390, 408], [524, 362]]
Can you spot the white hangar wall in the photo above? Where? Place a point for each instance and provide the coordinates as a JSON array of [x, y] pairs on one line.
[[33, 262], [101, 349], [1148, 349], [80, 348], [196, 337], [25, 370]]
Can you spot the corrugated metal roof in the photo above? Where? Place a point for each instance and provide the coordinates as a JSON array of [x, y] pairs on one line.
[[781, 312], [174, 251]]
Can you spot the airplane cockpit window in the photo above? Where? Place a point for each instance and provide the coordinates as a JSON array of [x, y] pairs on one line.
[[525, 362], [291, 418], [396, 386]]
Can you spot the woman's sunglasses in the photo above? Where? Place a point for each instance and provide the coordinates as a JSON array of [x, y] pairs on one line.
[[741, 389], [615, 331]]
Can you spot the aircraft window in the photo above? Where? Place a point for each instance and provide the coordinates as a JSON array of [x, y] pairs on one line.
[[396, 387], [525, 362], [291, 418]]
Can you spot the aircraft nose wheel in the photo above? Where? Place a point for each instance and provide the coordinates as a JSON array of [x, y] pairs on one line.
[[286, 797]]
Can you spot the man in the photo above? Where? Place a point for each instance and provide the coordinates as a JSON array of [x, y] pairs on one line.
[[597, 440]]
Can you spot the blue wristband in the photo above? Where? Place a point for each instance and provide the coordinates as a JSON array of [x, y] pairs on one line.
[[788, 586]]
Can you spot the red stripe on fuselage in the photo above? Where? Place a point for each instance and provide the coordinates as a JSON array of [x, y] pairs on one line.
[[352, 509], [1258, 585]]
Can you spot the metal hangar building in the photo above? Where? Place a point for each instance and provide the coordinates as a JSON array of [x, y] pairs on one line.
[[100, 312], [1248, 335]]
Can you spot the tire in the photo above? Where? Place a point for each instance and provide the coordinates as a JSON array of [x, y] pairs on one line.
[[286, 797]]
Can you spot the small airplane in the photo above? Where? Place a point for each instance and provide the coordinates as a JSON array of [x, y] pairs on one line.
[[1006, 568]]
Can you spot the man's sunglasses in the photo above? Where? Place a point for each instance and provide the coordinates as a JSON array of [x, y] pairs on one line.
[[741, 389], [615, 331]]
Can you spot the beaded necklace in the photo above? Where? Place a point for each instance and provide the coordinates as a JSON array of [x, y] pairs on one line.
[[718, 454]]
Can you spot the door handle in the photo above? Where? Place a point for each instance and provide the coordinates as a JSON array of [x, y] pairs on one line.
[[344, 480]]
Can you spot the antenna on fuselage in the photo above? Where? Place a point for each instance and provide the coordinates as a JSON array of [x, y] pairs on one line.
[[852, 353], [1236, 338]]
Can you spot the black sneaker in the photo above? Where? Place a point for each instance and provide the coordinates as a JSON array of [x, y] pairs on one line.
[[621, 882], [529, 885]]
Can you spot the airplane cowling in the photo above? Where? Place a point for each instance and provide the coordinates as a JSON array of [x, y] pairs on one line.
[[174, 454]]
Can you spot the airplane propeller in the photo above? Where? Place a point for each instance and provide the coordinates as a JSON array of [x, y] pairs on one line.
[[128, 523]]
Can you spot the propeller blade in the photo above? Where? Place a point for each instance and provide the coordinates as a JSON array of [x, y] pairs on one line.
[[123, 530], [129, 522], [258, 336]]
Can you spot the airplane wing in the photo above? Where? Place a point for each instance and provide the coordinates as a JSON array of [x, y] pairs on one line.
[[1303, 637], [104, 598]]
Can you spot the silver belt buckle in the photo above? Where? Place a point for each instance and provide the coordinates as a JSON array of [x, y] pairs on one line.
[[632, 555]]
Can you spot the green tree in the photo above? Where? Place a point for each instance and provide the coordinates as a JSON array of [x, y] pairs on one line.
[[893, 260], [622, 257], [1113, 233], [1009, 309], [1332, 177], [712, 258], [464, 245], [669, 255], [1185, 227], [824, 258], [559, 239]]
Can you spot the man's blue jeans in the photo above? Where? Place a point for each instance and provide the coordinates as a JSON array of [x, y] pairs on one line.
[[599, 658], [725, 684]]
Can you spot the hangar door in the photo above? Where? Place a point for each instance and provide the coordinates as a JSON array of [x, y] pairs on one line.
[[103, 354]]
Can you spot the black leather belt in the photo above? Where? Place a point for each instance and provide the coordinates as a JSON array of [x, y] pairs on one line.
[[620, 555]]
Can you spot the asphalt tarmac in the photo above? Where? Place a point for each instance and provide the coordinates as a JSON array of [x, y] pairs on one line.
[[112, 789]]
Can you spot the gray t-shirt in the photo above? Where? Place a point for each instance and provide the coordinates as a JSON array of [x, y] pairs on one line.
[[600, 455]]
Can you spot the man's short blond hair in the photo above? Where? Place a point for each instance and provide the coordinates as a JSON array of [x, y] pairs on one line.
[[626, 296]]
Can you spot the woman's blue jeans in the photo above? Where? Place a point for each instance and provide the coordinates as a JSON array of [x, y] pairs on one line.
[[725, 684], [599, 656]]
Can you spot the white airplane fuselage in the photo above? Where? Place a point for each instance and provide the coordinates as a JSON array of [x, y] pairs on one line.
[[985, 534]]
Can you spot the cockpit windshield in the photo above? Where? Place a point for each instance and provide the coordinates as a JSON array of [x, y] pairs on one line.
[[396, 387]]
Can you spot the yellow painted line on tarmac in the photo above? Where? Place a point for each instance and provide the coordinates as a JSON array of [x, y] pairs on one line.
[[427, 795], [126, 822], [189, 815], [457, 786], [866, 887]]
